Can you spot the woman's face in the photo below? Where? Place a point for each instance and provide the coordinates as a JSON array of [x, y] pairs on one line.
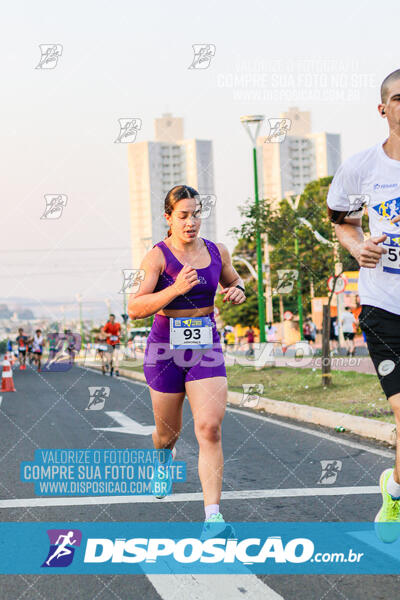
[[185, 219]]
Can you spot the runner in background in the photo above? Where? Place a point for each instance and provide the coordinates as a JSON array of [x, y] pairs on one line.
[[348, 323], [113, 331], [37, 348], [334, 335], [102, 349], [22, 348], [249, 335], [71, 346]]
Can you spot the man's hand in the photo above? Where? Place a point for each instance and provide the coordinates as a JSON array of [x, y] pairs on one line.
[[368, 253], [234, 295]]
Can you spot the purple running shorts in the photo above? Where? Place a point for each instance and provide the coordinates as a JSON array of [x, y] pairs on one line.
[[168, 370]]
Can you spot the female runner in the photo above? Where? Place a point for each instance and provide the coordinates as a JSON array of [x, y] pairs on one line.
[[181, 278]]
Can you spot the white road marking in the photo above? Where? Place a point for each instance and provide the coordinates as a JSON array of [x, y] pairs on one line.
[[127, 425], [326, 436], [341, 441], [190, 497], [212, 587]]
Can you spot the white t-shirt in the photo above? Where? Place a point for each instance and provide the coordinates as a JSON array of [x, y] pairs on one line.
[[372, 173], [347, 322]]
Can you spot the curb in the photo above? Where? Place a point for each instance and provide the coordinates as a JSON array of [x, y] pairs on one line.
[[362, 426]]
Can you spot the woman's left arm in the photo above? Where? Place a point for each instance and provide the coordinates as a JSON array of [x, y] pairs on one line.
[[229, 278]]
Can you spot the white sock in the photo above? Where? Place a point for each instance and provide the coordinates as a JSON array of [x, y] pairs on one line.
[[393, 488], [212, 509]]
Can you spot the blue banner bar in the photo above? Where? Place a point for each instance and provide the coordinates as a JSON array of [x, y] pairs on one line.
[[262, 548]]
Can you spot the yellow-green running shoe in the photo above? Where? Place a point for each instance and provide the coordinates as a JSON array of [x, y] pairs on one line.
[[214, 526], [387, 521]]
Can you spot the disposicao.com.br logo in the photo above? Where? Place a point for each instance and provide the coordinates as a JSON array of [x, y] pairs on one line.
[[190, 550]]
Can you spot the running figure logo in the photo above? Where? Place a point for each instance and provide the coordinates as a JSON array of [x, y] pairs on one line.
[[357, 204], [330, 471], [128, 129], [61, 551], [278, 128], [50, 53], [132, 279], [98, 396], [203, 54], [388, 210], [287, 277], [251, 394], [54, 206], [205, 202]]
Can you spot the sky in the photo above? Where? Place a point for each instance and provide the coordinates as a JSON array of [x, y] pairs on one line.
[[129, 59]]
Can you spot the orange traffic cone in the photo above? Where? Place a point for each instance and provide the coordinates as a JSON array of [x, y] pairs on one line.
[[7, 383]]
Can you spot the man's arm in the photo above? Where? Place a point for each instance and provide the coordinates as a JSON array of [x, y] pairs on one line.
[[350, 235]]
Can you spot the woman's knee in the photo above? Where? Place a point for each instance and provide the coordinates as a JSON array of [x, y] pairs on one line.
[[209, 431]]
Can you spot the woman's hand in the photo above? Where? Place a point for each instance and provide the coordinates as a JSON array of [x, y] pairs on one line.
[[234, 295], [186, 279]]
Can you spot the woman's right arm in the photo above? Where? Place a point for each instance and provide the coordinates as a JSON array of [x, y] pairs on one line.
[[145, 302]]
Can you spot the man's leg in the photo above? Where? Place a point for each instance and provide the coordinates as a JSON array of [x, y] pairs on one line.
[[395, 404]]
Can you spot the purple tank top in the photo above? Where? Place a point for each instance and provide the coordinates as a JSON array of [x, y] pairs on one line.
[[200, 295]]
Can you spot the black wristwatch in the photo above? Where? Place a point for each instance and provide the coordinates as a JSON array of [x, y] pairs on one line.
[[240, 288]]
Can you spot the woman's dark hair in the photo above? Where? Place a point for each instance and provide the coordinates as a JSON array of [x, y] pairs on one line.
[[179, 192]]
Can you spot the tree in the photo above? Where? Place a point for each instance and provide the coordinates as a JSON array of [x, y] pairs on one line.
[[281, 223]]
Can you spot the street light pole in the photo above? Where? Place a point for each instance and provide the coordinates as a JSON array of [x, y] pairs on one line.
[[299, 298], [257, 120]]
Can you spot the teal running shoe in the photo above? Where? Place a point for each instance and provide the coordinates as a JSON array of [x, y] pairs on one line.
[[215, 526], [387, 521], [161, 484]]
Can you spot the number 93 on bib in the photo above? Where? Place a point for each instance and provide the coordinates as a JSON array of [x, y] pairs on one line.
[[189, 332]]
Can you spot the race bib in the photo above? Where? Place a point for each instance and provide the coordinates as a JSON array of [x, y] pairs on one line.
[[391, 260], [113, 338], [189, 332], [22, 348]]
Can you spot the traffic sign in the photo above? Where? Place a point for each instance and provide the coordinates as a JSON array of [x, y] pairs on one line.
[[340, 285]]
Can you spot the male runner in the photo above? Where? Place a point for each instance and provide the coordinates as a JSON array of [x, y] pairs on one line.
[[348, 323], [37, 348], [113, 331], [372, 178], [102, 349], [22, 345]]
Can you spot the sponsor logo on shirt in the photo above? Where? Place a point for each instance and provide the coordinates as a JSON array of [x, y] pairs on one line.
[[388, 209], [385, 186]]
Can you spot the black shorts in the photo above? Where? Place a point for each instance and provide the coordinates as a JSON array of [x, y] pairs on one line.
[[382, 331], [308, 337], [348, 335], [23, 352]]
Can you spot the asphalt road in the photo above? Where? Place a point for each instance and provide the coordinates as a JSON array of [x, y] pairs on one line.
[[261, 453]]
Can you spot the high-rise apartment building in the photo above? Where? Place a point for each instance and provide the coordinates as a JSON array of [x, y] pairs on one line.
[[303, 156], [157, 166]]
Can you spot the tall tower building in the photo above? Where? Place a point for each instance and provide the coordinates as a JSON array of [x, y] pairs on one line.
[[154, 168], [302, 157]]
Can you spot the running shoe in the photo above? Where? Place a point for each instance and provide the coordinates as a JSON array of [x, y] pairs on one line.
[[387, 521], [215, 526], [162, 483]]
